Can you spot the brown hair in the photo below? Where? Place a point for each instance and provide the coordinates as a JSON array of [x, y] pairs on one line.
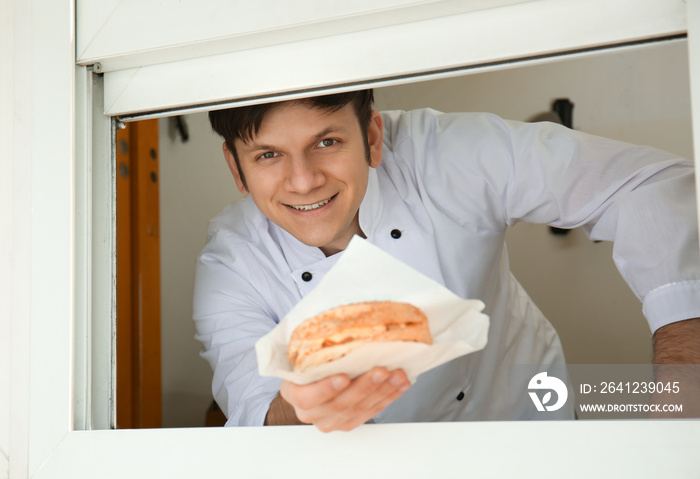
[[243, 123]]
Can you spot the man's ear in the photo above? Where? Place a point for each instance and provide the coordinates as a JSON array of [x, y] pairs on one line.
[[375, 139], [231, 161]]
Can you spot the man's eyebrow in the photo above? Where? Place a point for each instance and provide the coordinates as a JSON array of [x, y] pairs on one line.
[[253, 146], [329, 130]]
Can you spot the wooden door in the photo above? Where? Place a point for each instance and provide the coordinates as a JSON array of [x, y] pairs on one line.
[[138, 277]]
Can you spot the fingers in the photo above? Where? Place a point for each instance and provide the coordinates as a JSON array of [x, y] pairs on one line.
[[368, 390], [336, 403], [309, 396], [390, 387]]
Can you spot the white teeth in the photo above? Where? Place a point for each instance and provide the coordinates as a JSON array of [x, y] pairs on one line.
[[311, 207]]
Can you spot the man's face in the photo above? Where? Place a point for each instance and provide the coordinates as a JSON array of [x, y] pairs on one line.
[[307, 171]]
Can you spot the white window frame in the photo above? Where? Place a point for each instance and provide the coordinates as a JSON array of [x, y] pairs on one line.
[[58, 260]]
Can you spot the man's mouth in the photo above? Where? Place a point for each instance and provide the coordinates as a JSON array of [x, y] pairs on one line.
[[312, 207]]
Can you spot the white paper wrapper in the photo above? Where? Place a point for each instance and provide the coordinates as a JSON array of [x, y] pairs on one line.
[[366, 273]]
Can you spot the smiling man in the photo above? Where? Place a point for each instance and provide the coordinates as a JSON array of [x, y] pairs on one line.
[[306, 170], [436, 191]]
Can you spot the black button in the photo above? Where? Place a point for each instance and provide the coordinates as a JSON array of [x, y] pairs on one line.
[[460, 396], [396, 234], [306, 276]]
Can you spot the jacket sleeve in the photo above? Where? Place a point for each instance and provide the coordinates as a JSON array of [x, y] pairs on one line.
[[230, 316], [641, 198]]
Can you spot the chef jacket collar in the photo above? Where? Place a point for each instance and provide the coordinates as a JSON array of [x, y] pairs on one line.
[[372, 206]]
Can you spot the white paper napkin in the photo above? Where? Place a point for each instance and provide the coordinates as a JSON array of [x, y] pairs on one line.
[[366, 273]]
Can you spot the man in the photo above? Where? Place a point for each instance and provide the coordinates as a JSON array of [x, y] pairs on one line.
[[437, 191]]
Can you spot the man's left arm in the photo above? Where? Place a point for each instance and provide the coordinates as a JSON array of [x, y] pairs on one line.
[[678, 344]]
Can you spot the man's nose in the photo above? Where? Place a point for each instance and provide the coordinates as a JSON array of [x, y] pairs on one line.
[[303, 174]]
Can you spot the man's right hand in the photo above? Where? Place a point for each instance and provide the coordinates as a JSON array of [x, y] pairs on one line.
[[338, 403]]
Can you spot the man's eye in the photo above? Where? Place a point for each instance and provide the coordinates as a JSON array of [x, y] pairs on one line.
[[267, 155], [327, 142]]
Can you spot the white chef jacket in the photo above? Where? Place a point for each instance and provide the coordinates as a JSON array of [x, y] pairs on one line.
[[447, 188]]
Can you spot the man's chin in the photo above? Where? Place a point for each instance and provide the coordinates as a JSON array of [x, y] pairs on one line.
[[313, 241]]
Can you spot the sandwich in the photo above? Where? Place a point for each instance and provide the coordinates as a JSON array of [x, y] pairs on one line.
[[337, 331]]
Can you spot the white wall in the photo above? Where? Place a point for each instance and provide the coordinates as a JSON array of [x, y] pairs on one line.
[[195, 185], [641, 96]]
